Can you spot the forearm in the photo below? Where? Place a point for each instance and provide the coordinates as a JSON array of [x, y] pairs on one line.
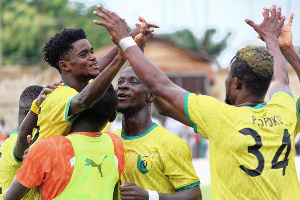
[[15, 191], [164, 108], [188, 194], [97, 88], [151, 75], [280, 80], [26, 128], [292, 56], [105, 60]]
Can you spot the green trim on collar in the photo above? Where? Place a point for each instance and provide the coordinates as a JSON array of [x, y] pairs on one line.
[[124, 137]]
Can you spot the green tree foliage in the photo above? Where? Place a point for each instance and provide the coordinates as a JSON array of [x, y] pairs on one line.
[[186, 39], [27, 25]]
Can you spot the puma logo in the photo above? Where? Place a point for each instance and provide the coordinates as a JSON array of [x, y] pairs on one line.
[[89, 162]]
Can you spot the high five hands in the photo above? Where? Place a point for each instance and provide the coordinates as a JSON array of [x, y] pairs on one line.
[[118, 28]]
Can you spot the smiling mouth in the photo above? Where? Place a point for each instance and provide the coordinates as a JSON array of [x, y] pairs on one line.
[[123, 96], [94, 65]]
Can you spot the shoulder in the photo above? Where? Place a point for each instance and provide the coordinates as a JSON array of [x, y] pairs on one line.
[[52, 142], [117, 132], [167, 136], [62, 92], [114, 136]]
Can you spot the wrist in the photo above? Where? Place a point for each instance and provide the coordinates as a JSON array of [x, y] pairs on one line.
[[34, 107], [126, 42], [153, 195]]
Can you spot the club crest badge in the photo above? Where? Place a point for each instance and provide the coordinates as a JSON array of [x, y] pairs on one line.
[[144, 163]]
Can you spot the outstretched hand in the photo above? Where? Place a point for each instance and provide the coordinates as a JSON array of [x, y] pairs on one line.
[[116, 26], [271, 25], [133, 191], [285, 37], [145, 32]]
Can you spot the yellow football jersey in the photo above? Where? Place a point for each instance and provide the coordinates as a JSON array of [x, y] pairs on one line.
[[292, 186], [250, 147], [158, 160], [53, 118], [8, 164]]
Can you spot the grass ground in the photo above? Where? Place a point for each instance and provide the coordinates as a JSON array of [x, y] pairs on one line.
[[205, 190]]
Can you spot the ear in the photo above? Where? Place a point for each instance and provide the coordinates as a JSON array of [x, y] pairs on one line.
[[237, 83], [63, 65], [150, 98]]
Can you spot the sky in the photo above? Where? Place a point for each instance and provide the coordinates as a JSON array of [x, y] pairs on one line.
[[198, 15]]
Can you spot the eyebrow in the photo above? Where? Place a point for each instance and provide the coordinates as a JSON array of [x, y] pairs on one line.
[[85, 50]]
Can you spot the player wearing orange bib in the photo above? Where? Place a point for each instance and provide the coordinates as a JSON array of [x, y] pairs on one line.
[[83, 165]]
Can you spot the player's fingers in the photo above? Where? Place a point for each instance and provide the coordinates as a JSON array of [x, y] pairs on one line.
[[278, 13], [141, 19], [101, 15], [47, 91], [153, 26], [250, 23], [105, 11], [102, 23], [282, 20], [273, 11], [290, 20], [265, 13], [29, 139]]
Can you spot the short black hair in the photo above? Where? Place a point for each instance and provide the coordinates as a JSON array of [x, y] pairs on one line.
[[253, 65], [29, 95], [60, 45], [104, 109]]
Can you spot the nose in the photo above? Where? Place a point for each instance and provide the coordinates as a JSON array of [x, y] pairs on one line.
[[122, 86], [92, 57]]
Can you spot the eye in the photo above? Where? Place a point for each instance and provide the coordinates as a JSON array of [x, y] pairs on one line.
[[120, 81], [134, 81], [83, 55]]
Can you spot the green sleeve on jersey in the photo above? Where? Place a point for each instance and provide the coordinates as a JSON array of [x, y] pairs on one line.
[[297, 106], [16, 159], [71, 119], [188, 186], [186, 111]]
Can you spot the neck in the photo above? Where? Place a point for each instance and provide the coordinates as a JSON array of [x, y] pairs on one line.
[[250, 102], [87, 126], [136, 123]]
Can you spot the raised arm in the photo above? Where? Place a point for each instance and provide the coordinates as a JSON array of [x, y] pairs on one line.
[[286, 46], [105, 60], [269, 31], [30, 121], [164, 108], [151, 76], [97, 88]]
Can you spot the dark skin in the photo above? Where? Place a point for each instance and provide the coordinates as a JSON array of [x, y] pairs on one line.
[[82, 124], [25, 129], [135, 105], [159, 84], [287, 48]]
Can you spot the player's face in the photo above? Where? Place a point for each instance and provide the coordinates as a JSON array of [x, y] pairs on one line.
[[228, 83], [132, 94], [83, 63]]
